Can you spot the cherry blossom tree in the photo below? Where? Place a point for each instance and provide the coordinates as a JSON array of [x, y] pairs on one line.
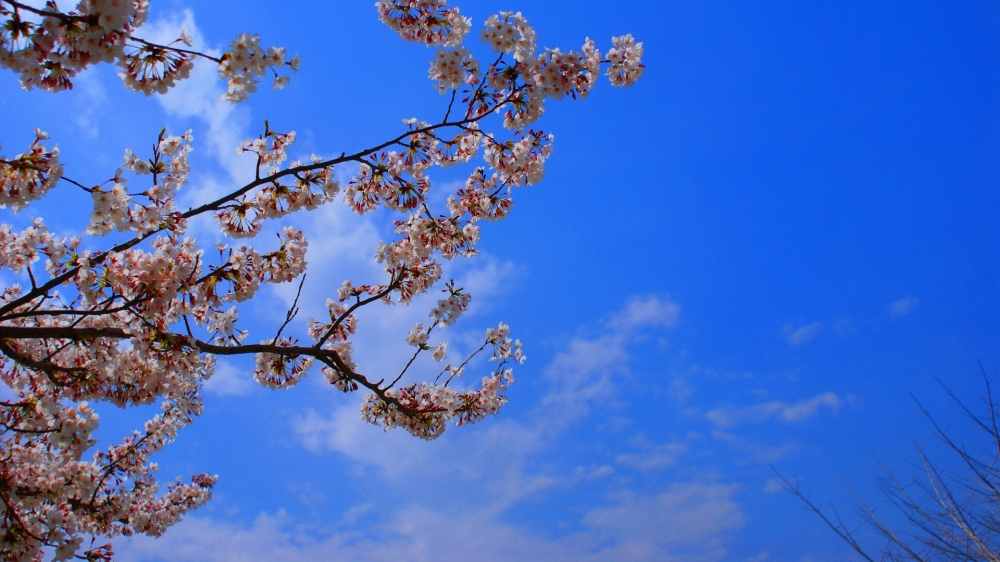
[[143, 320]]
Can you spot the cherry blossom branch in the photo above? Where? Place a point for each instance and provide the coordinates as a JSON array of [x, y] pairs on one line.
[[421, 346], [292, 311], [96, 259], [46, 366], [24, 166], [355, 157], [176, 49], [11, 513], [74, 312], [77, 334], [45, 13], [328, 357], [393, 285]]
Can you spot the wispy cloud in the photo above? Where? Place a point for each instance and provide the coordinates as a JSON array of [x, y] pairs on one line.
[[654, 458], [641, 312], [903, 306], [774, 486], [577, 378], [685, 523], [93, 100], [795, 412], [801, 334], [230, 380]]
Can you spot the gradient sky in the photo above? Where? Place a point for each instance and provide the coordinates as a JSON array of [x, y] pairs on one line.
[[751, 258]]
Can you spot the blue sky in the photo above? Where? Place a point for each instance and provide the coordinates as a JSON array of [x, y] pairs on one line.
[[752, 257]]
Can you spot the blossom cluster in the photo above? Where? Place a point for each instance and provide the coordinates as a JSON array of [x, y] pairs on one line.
[[48, 48], [449, 309], [247, 268], [20, 250], [244, 64], [307, 189], [625, 57], [114, 208], [280, 370], [425, 408], [453, 67], [140, 318], [52, 495], [430, 22], [28, 176]]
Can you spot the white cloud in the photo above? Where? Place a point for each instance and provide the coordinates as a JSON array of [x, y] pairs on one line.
[[94, 96], [903, 306], [230, 380], [685, 523], [774, 486], [646, 311], [802, 334], [808, 408], [394, 452], [485, 278], [600, 472], [799, 411], [655, 459], [581, 375]]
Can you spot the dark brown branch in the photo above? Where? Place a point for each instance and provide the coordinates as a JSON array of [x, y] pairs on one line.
[[294, 310], [413, 358], [58, 15], [356, 157], [176, 49], [74, 312], [394, 284], [327, 356], [59, 332]]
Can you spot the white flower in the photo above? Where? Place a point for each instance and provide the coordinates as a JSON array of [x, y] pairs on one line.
[[441, 351], [417, 336]]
